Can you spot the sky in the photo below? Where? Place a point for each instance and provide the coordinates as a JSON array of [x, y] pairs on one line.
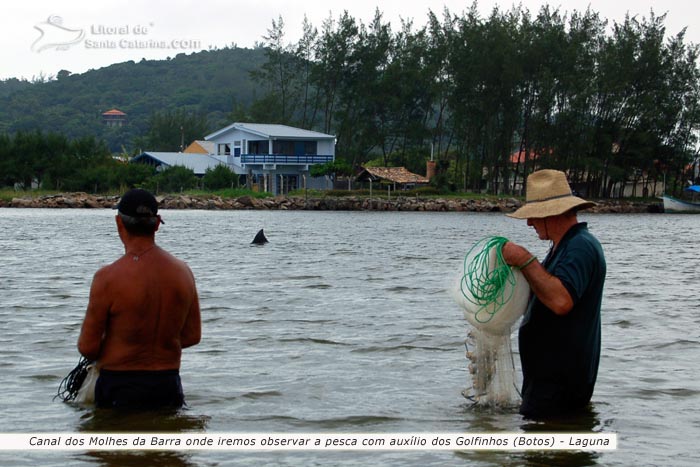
[[41, 37]]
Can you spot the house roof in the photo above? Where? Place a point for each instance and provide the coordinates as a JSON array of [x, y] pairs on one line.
[[518, 157], [201, 147], [271, 131], [199, 163], [392, 174], [114, 112]]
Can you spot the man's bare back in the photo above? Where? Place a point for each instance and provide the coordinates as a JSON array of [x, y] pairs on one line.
[[151, 308]]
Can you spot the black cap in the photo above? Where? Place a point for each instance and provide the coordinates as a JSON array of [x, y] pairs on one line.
[[138, 203]]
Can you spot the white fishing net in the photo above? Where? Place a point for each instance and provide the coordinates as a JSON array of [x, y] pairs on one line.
[[492, 370], [492, 296]]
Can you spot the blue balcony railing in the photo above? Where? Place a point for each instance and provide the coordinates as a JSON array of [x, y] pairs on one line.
[[284, 159]]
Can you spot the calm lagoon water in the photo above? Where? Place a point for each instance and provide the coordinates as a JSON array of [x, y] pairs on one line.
[[343, 323]]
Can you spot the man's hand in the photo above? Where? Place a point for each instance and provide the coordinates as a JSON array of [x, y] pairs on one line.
[[515, 255]]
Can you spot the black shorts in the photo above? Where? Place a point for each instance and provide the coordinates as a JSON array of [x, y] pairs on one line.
[[139, 389], [546, 399]]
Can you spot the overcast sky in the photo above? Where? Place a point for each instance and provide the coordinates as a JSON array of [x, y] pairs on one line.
[[43, 37]]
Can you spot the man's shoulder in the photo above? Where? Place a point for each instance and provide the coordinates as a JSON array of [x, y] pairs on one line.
[[106, 275], [586, 248], [582, 236], [167, 257], [169, 265], [112, 268]]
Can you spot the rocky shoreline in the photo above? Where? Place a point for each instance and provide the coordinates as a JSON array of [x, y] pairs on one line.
[[349, 203]]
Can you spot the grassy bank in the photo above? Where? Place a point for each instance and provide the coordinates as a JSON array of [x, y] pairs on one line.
[[6, 194]]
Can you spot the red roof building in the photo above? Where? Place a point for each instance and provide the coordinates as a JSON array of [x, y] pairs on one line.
[[518, 157], [114, 117]]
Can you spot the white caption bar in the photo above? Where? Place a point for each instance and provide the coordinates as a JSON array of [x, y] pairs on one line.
[[308, 441]]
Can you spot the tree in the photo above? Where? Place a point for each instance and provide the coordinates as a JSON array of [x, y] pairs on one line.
[[219, 177], [334, 50], [173, 180], [331, 170], [279, 75], [7, 165], [124, 176], [173, 130], [305, 55]]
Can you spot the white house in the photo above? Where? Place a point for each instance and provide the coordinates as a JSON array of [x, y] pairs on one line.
[[198, 163], [274, 158]]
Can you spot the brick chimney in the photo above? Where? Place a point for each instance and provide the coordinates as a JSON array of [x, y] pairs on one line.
[[429, 169]]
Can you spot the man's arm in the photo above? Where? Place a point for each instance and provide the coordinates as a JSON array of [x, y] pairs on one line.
[[95, 322], [192, 330], [546, 287]]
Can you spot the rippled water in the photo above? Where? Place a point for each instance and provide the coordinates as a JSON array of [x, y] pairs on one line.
[[342, 323]]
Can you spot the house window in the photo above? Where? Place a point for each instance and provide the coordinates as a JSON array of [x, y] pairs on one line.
[[224, 149], [296, 148], [258, 147], [310, 148], [282, 147], [288, 183]]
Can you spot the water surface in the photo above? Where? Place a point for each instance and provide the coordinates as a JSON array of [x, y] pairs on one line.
[[343, 323]]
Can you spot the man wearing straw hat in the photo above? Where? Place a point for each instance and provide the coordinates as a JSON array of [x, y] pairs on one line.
[[559, 338]]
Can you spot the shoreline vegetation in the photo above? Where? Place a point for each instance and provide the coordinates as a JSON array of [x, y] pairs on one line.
[[318, 203]]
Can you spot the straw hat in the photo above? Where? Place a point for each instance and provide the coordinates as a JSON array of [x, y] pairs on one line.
[[548, 194]]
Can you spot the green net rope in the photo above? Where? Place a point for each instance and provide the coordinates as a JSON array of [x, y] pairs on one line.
[[483, 285]]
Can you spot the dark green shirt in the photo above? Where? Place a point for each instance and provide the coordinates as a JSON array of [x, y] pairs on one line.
[[560, 354]]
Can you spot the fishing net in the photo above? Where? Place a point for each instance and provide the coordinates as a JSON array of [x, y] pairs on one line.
[[493, 296], [79, 385]]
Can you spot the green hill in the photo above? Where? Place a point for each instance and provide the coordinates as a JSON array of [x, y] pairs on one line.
[[206, 83]]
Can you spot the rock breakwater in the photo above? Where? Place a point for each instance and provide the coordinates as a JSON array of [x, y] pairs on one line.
[[349, 203]]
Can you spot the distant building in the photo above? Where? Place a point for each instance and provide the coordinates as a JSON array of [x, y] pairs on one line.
[[201, 147], [197, 162], [114, 117], [397, 176], [266, 157], [273, 158], [640, 184]]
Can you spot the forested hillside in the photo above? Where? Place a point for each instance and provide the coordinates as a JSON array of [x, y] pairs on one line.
[[206, 84], [613, 103]]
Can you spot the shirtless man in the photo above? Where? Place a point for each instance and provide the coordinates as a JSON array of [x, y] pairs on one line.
[[143, 310]]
